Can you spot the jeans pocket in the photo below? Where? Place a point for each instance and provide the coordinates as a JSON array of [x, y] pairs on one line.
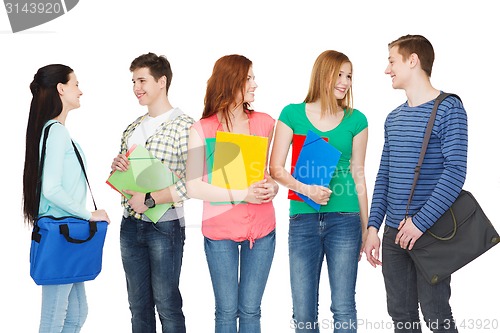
[[294, 217]]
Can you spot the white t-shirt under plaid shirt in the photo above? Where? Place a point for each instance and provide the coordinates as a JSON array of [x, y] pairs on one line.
[[169, 144]]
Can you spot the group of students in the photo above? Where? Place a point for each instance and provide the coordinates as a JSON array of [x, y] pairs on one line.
[[239, 235]]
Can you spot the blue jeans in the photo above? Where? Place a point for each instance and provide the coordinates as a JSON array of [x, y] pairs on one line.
[[406, 287], [152, 258], [64, 308], [239, 298], [311, 237]]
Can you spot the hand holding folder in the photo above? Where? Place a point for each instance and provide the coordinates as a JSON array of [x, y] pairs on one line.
[[145, 174], [316, 164]]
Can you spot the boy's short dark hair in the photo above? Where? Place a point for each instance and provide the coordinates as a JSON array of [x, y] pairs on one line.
[[158, 66], [419, 45]]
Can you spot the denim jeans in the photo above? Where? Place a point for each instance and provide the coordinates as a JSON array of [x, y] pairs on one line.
[[64, 308], [239, 297], [311, 237], [152, 258], [406, 288]]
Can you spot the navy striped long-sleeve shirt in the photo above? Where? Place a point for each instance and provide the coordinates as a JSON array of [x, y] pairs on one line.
[[443, 170]]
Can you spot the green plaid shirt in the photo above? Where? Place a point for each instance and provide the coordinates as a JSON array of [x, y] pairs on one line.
[[170, 145]]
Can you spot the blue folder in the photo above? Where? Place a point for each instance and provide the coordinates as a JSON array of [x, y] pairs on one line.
[[316, 164]]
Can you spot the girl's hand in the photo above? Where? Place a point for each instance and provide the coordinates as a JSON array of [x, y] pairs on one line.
[[99, 215], [266, 189], [318, 194]]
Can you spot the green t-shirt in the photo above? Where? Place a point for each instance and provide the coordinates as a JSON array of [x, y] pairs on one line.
[[344, 196]]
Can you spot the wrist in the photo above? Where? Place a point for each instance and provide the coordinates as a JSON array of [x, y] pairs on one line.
[[276, 187], [304, 189], [149, 201]]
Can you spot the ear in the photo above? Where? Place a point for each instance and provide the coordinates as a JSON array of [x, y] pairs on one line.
[[60, 88], [163, 81], [413, 60]]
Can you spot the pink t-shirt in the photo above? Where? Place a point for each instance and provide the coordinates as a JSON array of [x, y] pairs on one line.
[[243, 221]]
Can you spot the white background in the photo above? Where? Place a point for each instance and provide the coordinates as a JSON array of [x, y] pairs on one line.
[[99, 39]]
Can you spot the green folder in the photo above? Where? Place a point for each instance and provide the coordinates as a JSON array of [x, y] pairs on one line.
[[210, 152], [145, 174]]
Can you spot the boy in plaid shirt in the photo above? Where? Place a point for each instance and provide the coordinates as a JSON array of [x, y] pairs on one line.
[[152, 252]]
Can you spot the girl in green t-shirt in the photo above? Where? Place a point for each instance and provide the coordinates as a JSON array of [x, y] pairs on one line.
[[337, 230]]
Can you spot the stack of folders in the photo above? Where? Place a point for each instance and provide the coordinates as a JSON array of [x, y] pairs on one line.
[[314, 161], [235, 161], [145, 174]]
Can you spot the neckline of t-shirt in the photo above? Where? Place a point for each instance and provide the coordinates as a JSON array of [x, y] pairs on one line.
[[220, 128], [317, 129]]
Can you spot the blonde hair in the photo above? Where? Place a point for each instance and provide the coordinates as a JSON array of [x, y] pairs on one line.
[[325, 72]]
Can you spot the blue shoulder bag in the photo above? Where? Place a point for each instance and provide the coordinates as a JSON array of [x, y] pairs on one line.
[[65, 249]]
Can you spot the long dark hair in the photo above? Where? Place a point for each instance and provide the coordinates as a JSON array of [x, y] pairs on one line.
[[46, 104]]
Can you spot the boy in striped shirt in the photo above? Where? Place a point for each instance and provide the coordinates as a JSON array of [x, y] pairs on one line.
[[442, 176]]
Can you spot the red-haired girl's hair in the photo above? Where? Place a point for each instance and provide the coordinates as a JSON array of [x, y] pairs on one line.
[[226, 84]]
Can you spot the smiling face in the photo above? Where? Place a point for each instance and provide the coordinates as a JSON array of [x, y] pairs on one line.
[[344, 81], [397, 68], [250, 87], [146, 88], [70, 93]]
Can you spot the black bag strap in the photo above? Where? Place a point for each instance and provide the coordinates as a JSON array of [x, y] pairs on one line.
[[64, 230], [425, 143], [42, 160], [80, 160]]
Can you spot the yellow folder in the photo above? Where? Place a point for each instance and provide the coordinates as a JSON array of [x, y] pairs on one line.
[[146, 173], [239, 160]]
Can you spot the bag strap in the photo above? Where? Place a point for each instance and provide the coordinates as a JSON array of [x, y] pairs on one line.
[[425, 143], [42, 160], [80, 160], [64, 230]]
